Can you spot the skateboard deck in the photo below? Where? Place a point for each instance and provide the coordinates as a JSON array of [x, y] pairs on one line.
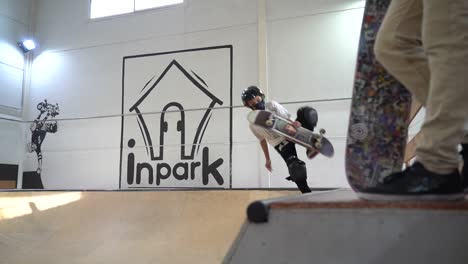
[[301, 136], [380, 109]]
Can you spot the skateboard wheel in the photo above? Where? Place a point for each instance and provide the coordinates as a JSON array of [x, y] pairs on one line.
[[269, 122], [318, 145], [322, 131]]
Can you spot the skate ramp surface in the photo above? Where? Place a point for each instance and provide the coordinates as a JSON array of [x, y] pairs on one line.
[[122, 226]]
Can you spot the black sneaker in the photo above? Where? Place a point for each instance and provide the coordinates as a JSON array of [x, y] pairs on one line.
[[464, 172], [301, 185], [416, 183]]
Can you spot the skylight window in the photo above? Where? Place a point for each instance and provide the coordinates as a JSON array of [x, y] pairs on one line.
[[105, 8], [147, 4]]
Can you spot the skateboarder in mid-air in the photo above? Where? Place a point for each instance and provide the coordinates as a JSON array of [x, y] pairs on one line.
[[254, 98]]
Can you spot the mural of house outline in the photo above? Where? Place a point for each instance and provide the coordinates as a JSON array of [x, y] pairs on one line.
[[201, 127]]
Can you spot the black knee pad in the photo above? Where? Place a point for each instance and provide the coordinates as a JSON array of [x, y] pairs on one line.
[[308, 117], [297, 171]]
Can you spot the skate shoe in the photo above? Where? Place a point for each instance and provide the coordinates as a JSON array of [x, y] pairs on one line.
[[416, 183]]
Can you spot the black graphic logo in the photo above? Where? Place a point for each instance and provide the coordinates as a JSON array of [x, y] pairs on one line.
[[163, 135]]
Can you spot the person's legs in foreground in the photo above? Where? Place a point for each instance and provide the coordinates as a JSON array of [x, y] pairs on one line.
[[424, 44]]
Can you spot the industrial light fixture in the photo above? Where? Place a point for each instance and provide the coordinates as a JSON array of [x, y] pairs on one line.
[[27, 45]]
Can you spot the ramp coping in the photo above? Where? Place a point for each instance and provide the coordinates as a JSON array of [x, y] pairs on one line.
[[258, 211]]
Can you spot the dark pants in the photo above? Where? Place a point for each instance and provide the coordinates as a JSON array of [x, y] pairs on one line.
[[287, 150], [308, 118]]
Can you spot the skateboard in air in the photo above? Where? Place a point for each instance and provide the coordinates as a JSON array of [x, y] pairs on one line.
[[302, 136]]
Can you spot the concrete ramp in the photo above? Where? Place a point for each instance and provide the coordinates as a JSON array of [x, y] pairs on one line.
[[335, 227], [122, 226]]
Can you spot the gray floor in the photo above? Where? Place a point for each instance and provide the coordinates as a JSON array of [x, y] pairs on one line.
[[335, 227]]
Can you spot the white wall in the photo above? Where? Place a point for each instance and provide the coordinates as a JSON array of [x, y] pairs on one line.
[[311, 54], [83, 74], [14, 26], [11, 141], [312, 48]]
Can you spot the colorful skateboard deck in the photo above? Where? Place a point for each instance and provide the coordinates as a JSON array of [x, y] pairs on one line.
[[380, 109], [301, 136]]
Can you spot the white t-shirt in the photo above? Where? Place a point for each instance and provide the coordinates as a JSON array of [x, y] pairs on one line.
[[263, 133]]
